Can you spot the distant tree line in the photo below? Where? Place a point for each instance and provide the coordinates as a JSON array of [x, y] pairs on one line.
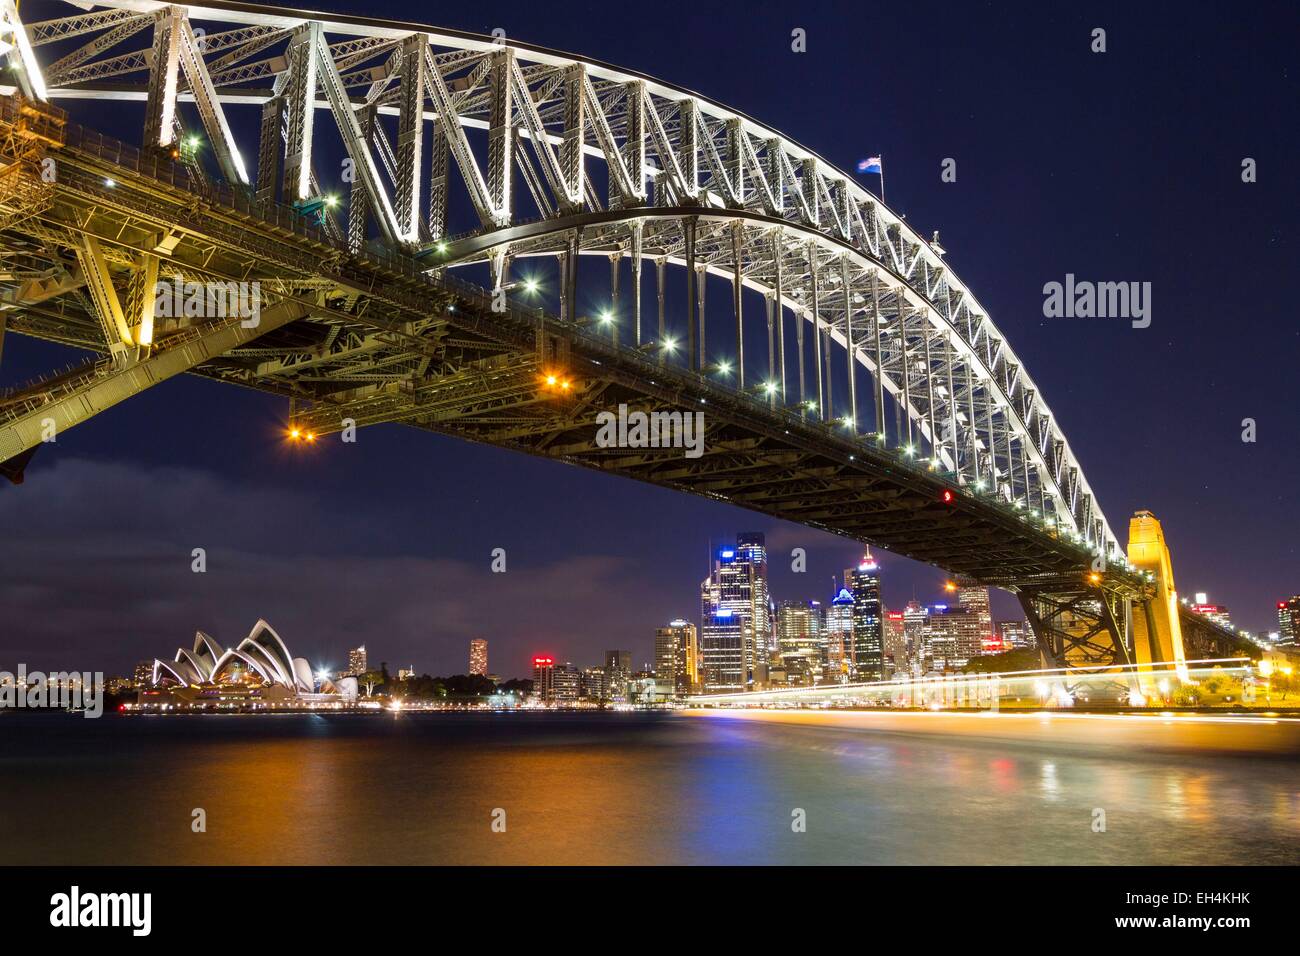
[[458, 687]]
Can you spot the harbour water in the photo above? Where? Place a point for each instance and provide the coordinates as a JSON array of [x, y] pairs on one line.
[[619, 788]]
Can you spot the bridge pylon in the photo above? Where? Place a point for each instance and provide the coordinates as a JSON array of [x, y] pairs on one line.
[[1157, 631]]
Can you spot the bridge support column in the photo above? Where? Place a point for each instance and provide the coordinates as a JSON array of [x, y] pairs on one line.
[[1157, 632], [1078, 623]]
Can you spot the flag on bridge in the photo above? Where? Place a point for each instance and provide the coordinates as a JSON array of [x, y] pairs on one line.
[[870, 165]]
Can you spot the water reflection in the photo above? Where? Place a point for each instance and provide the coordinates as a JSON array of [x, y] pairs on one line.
[[619, 788]]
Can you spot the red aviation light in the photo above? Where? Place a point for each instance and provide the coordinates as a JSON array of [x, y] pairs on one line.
[[947, 497]]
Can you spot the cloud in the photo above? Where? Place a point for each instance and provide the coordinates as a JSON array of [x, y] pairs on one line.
[[97, 574]]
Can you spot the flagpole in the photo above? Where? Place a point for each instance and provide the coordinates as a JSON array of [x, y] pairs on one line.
[[882, 177]]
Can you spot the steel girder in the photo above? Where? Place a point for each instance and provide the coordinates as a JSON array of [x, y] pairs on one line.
[[693, 151], [383, 341], [691, 184], [1079, 623]]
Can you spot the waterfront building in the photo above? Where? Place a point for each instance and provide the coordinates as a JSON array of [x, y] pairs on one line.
[[897, 660], [1288, 621], [478, 656], [259, 672], [863, 583], [544, 678], [592, 684], [751, 550], [735, 625], [798, 626], [618, 672], [144, 674], [1015, 634], [838, 642], [567, 682], [916, 625], [406, 673], [357, 660], [1215, 612], [800, 640], [677, 656]]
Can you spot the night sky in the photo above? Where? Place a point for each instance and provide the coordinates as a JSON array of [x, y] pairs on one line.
[[1122, 166]]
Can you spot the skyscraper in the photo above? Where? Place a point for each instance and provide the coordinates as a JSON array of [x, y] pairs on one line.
[[916, 626], [1015, 634], [734, 617], [618, 671], [838, 642], [798, 626], [800, 637], [1288, 622], [868, 628], [544, 678], [357, 660], [677, 656], [977, 630], [478, 661], [897, 656], [751, 548]]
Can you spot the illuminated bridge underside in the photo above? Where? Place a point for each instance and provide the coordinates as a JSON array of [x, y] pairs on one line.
[[559, 158]]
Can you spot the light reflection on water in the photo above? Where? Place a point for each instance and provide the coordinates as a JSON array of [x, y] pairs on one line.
[[615, 788]]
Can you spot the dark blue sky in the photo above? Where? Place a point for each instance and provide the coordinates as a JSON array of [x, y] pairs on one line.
[[1116, 166]]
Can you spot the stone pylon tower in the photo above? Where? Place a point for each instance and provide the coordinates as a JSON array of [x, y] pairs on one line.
[[1157, 636]]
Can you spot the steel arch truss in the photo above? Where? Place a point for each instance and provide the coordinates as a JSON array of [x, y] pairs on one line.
[[688, 181]]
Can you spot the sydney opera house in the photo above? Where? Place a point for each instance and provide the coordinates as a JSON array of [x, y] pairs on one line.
[[259, 672]]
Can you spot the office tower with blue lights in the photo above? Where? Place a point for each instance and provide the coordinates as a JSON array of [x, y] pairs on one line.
[[734, 624], [838, 643], [751, 548], [868, 654]]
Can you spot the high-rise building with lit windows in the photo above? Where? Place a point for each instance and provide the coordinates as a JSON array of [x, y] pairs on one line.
[[897, 657], [837, 644], [751, 548], [618, 673], [975, 633], [1015, 634], [734, 624], [1215, 612], [478, 659], [357, 660], [1288, 622], [544, 678], [677, 656], [868, 655], [916, 627]]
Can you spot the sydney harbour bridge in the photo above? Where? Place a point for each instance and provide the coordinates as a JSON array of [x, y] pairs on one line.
[[849, 380]]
